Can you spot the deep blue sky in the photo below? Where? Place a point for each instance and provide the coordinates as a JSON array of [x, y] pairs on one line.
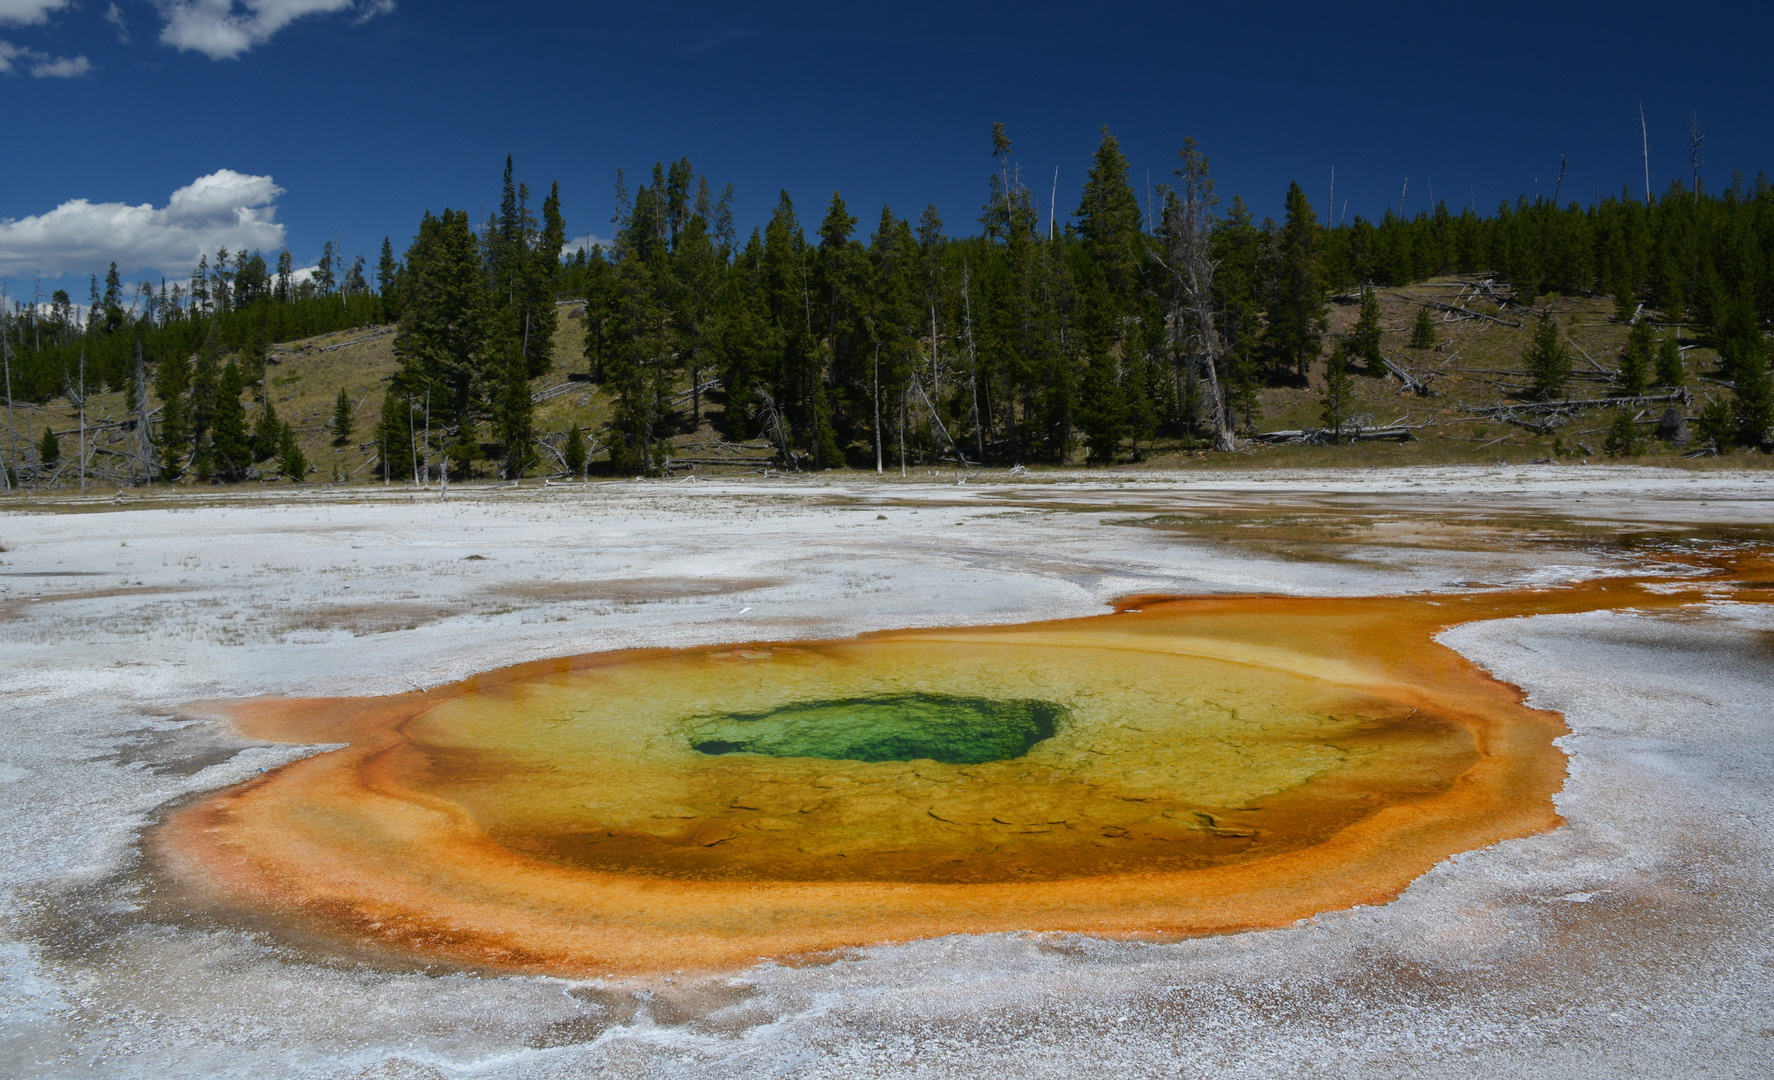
[[366, 122]]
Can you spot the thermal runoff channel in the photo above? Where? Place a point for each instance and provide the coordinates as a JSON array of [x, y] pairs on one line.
[[1182, 766]]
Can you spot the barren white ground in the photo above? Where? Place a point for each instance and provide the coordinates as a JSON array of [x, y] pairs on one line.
[[1635, 941]]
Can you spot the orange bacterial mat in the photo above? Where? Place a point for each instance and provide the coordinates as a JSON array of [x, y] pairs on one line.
[[1182, 766]]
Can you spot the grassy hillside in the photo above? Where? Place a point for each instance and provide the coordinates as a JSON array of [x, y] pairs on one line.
[[1476, 362], [305, 378]]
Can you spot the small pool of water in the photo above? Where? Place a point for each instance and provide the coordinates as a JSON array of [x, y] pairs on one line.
[[948, 728]]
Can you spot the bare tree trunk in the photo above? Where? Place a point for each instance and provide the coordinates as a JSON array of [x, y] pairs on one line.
[[82, 419], [412, 440], [902, 434], [935, 379], [979, 424], [426, 482], [144, 445], [1694, 141], [1052, 202], [877, 410], [12, 432], [1188, 224], [1645, 137]]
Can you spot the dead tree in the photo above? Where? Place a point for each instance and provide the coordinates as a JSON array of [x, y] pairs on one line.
[[12, 432], [940, 426], [1411, 382], [144, 451], [1694, 141], [979, 427], [1183, 241], [1645, 137], [772, 424]]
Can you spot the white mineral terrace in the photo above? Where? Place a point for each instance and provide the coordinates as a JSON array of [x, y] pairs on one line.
[[1634, 941]]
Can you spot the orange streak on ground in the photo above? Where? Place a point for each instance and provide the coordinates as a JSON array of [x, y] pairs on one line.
[[358, 845]]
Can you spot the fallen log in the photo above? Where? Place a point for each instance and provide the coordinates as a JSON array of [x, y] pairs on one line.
[[1411, 382], [549, 392], [1463, 311], [371, 336], [685, 462], [1353, 433], [703, 388], [1577, 404]]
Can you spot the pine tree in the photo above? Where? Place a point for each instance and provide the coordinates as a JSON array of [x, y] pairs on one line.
[[172, 378], [1623, 439], [1423, 330], [394, 438], [342, 419], [574, 453], [230, 450], [290, 460], [49, 448], [639, 361], [1239, 253], [203, 403], [1297, 302], [1101, 402], [1547, 361], [442, 340], [461, 454], [267, 436], [1339, 388], [1364, 340], [1636, 360], [841, 285], [1109, 221], [326, 275], [543, 278], [1715, 425], [698, 269], [1743, 357], [388, 278], [1670, 370], [514, 419], [252, 357], [746, 340]]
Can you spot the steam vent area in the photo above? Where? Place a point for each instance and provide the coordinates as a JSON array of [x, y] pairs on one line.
[[1445, 772]]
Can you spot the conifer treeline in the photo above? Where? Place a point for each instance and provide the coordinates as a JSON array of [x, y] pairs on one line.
[[239, 298], [1027, 341], [1021, 339], [477, 322]]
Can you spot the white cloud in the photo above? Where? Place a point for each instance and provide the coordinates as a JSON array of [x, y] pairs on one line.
[[224, 29], [42, 65], [369, 9], [61, 67], [114, 16], [225, 208], [582, 243], [28, 11]]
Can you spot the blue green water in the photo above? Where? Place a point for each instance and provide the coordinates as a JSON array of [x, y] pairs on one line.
[[897, 727]]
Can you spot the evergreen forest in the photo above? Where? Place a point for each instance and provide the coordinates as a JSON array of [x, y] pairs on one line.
[[827, 340]]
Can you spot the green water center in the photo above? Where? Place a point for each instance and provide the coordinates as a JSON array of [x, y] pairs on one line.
[[947, 728]]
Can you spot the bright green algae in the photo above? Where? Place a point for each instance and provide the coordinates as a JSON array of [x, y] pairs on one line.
[[947, 728]]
